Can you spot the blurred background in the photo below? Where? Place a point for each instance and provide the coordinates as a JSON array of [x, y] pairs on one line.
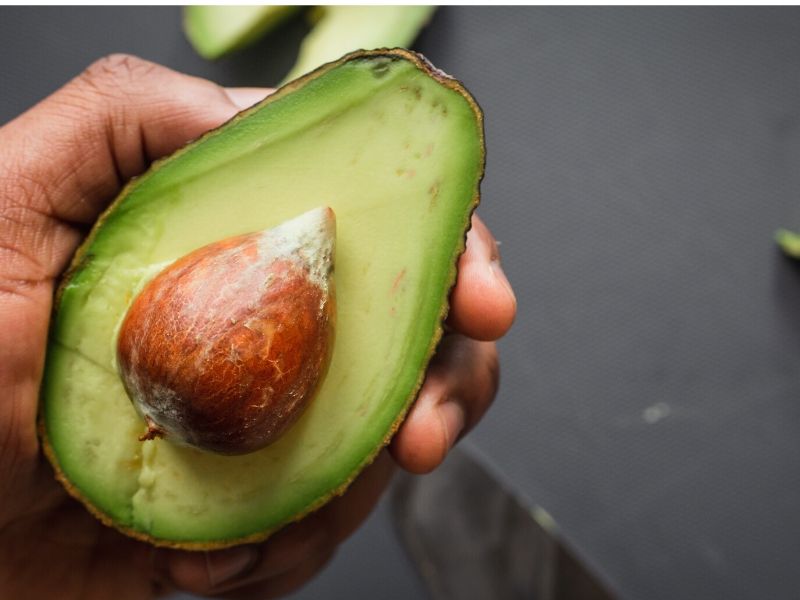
[[639, 162]]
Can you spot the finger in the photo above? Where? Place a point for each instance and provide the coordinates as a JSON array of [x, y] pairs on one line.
[[461, 383], [319, 533], [283, 584], [483, 305], [245, 97], [329, 526], [346, 514]]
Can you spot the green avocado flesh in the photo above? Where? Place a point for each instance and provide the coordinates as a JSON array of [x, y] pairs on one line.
[[395, 148], [217, 30]]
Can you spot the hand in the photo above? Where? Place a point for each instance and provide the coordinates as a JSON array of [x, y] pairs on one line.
[[60, 164]]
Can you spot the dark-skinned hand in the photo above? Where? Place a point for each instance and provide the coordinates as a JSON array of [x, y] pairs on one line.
[[61, 162]]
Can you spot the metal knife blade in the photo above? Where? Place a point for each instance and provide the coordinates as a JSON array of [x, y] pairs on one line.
[[470, 537]]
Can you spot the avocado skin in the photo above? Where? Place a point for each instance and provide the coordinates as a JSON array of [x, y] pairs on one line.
[[83, 257]]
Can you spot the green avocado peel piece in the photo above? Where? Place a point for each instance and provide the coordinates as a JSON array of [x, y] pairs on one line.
[[789, 242], [396, 149], [215, 30]]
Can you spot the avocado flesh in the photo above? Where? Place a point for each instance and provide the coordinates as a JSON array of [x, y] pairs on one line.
[[342, 29], [396, 149], [217, 30]]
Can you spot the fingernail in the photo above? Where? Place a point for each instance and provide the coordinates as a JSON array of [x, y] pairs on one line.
[[500, 277], [247, 97], [451, 413], [224, 565]]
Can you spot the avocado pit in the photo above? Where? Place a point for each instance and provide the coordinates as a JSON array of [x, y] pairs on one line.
[[225, 348]]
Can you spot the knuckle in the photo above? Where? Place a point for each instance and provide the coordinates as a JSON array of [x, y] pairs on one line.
[[117, 71], [24, 226]]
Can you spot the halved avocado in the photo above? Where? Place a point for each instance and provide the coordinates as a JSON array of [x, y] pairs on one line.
[[216, 30], [396, 148]]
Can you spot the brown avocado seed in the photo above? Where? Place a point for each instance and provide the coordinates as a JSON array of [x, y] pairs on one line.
[[225, 348]]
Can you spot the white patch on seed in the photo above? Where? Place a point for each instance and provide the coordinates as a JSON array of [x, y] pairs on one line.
[[309, 238]]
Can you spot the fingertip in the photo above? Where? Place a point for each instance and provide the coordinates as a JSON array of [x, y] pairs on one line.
[[483, 305], [501, 280], [427, 434], [413, 455], [245, 97]]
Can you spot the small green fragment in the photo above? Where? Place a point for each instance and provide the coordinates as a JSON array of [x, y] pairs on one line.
[[789, 242]]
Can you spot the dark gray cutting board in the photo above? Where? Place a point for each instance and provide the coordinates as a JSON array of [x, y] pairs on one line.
[[639, 161]]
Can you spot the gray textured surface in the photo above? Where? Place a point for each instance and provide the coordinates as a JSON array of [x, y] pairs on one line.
[[639, 161]]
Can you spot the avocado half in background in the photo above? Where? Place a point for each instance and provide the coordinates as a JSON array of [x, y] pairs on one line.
[[215, 31], [396, 149]]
